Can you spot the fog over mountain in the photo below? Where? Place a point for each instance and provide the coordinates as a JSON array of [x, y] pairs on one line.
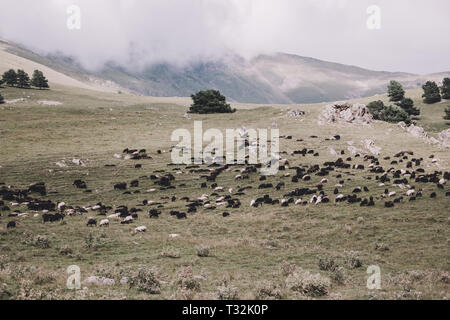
[[136, 34]]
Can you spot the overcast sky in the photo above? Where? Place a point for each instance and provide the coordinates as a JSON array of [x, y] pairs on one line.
[[413, 35]]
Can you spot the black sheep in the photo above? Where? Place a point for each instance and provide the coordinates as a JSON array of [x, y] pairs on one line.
[[91, 222], [11, 224]]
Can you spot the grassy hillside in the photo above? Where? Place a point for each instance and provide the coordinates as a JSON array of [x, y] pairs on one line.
[[251, 249]]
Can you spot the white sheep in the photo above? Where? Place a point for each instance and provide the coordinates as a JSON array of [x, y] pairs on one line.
[[319, 199], [410, 192], [128, 218], [141, 229], [104, 223]]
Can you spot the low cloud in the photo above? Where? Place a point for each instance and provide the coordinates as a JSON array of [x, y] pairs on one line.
[[136, 33]]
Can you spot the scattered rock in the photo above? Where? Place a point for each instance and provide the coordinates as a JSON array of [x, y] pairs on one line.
[[49, 103], [61, 164], [78, 162], [444, 137], [370, 145], [295, 113], [15, 100]]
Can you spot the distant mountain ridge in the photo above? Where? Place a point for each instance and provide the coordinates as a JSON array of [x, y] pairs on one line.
[[278, 78]]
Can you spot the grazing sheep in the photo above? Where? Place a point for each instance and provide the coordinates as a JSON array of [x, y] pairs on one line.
[[127, 220], [181, 215], [91, 222], [11, 224], [153, 213], [46, 217], [357, 190], [120, 186], [104, 223], [389, 204], [140, 229]]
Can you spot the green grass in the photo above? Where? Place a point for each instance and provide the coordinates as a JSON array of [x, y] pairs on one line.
[[248, 247]]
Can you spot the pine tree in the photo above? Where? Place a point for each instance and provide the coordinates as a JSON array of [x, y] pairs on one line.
[[431, 92], [23, 80], [39, 80], [447, 113], [407, 104], [395, 91], [445, 89], [209, 101], [10, 77]]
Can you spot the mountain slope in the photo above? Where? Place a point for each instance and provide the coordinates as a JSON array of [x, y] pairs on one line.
[[13, 57], [279, 78]]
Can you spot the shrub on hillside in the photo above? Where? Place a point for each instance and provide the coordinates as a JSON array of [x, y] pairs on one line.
[[1, 99], [390, 113], [267, 290], [407, 104], [328, 263], [431, 92], [312, 285], [227, 292], [445, 89], [447, 113], [375, 107], [209, 101], [145, 280], [395, 91], [394, 114]]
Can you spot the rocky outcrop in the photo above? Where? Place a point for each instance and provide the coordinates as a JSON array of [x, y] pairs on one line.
[[370, 145], [419, 132], [444, 138], [346, 113]]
